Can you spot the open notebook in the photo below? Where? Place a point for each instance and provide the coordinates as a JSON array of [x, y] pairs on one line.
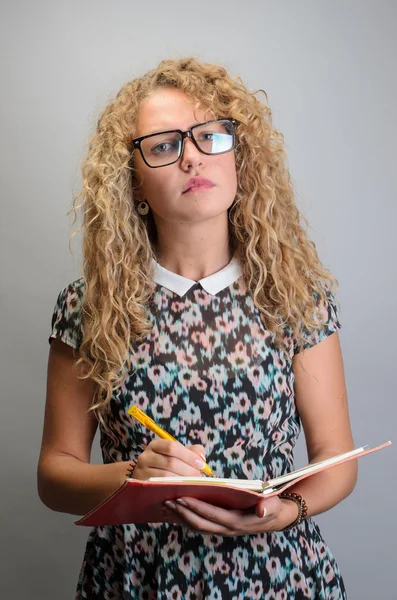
[[139, 501]]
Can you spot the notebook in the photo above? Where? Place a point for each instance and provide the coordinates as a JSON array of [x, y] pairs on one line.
[[139, 501]]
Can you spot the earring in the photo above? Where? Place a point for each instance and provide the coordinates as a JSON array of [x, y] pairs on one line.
[[143, 208]]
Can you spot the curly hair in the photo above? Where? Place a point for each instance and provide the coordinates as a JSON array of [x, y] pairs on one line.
[[281, 268]]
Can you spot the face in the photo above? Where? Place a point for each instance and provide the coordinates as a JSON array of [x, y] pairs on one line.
[[162, 187]]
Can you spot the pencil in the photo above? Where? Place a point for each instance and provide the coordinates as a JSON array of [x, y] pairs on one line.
[[140, 416]]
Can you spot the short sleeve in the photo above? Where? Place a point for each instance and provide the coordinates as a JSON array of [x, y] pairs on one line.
[[66, 318], [329, 312]]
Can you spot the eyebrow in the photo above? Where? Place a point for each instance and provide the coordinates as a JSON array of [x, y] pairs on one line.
[[157, 130]]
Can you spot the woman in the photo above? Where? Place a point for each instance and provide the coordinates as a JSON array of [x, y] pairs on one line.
[[204, 303]]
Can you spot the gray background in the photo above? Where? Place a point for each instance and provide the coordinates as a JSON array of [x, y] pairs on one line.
[[329, 70]]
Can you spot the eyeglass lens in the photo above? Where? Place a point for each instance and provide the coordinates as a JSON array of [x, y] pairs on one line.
[[215, 137]]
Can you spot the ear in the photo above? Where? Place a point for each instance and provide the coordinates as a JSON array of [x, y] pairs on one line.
[[137, 190], [138, 195]]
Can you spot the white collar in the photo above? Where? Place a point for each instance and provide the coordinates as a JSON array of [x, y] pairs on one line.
[[211, 284]]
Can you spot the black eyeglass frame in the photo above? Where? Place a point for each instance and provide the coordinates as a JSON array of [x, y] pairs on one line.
[[136, 143]]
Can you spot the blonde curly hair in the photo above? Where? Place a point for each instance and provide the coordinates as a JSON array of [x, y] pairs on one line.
[[281, 268]]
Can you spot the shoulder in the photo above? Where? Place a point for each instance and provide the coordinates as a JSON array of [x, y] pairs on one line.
[[327, 321], [75, 288], [66, 317], [72, 295]]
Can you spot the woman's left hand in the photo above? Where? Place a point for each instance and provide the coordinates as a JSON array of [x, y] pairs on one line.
[[205, 518]]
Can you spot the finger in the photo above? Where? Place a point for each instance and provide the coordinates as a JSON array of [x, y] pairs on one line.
[[170, 466], [166, 466], [173, 449], [240, 521], [268, 508], [172, 516], [197, 523], [199, 449], [261, 510], [229, 519]]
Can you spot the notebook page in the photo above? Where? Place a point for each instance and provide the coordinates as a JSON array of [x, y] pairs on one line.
[[254, 485], [277, 481]]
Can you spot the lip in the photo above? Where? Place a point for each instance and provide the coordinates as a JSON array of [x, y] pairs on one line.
[[196, 183]]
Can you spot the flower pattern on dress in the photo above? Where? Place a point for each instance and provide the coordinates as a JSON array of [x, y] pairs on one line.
[[210, 374]]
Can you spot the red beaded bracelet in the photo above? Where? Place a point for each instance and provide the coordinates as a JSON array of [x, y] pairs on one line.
[[302, 506]]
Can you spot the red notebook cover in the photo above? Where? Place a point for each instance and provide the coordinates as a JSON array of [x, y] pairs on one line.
[[142, 501]]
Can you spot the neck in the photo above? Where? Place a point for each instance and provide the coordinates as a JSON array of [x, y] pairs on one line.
[[195, 250]]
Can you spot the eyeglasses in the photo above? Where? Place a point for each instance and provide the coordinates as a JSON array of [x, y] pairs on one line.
[[166, 147]]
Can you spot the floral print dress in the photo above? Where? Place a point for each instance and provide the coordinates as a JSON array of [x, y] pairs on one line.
[[210, 374]]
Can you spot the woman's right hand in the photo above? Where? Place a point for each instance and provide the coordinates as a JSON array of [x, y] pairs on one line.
[[168, 458]]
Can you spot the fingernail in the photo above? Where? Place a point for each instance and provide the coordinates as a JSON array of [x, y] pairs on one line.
[[201, 450], [181, 502], [170, 504], [264, 513], [199, 463]]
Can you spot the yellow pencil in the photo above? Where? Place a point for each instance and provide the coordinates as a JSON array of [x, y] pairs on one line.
[[150, 424]]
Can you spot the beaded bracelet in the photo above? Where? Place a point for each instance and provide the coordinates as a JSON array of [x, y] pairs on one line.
[[302, 506], [131, 469]]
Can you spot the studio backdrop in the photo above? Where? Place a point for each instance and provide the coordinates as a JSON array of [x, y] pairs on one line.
[[329, 71]]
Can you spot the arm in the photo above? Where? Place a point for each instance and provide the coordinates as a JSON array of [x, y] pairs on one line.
[[66, 480], [321, 399], [320, 394]]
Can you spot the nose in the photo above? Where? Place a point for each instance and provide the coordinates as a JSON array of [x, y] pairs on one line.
[[190, 155]]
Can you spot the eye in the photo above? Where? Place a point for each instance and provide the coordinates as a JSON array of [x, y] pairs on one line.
[[205, 138], [161, 148], [164, 144]]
